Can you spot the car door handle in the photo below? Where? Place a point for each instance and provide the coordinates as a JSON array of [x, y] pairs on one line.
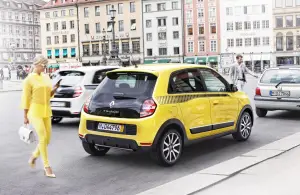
[[215, 102]]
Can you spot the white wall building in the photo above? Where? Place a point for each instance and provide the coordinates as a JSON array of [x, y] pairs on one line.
[[162, 30], [246, 28]]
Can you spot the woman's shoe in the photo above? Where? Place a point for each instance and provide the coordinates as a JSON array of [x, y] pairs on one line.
[[31, 162], [51, 175]]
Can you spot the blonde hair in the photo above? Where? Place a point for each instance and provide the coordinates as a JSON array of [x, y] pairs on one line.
[[40, 59]]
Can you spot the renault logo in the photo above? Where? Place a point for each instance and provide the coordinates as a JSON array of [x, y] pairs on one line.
[[112, 104]]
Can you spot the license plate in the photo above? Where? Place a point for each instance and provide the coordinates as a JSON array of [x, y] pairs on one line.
[[280, 93], [110, 127], [58, 104]]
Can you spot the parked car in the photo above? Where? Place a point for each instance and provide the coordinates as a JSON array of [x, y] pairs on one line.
[[76, 86], [161, 108], [278, 89]]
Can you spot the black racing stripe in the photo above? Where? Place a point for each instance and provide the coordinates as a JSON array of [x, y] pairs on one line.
[[222, 125], [201, 129]]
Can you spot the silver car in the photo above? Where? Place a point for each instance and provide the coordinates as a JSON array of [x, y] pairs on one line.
[[278, 89]]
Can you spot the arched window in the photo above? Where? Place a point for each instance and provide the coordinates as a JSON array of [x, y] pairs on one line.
[[289, 41], [279, 42]]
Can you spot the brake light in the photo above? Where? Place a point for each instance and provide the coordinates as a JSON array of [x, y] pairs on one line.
[[257, 91], [148, 108], [78, 91], [86, 105]]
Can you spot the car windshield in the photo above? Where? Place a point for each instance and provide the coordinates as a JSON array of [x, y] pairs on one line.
[[275, 76], [69, 78]]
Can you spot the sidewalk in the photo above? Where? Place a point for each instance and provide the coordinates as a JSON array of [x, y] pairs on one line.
[[11, 86], [270, 170]]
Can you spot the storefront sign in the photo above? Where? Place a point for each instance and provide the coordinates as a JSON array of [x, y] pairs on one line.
[[70, 65]]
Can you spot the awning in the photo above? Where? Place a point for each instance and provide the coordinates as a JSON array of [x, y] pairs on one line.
[[85, 62], [201, 60], [189, 60], [57, 53], [95, 61], [73, 51], [212, 59], [53, 65], [124, 59], [149, 61], [65, 52], [164, 61]]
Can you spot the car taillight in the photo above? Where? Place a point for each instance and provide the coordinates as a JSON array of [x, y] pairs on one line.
[[148, 108], [257, 91], [86, 105], [78, 91]]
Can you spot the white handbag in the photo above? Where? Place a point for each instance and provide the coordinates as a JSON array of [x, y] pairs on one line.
[[26, 134]]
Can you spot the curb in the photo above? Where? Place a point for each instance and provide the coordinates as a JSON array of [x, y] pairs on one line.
[[194, 183]]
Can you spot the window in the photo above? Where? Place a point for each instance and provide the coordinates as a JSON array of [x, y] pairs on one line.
[[175, 5], [162, 22], [125, 47], [213, 28], [72, 24], [263, 8], [56, 40], [108, 8], [297, 2], [248, 42], [189, 14], [132, 7], [55, 14], [247, 25], [86, 12], [98, 28], [266, 41], [133, 24], [97, 10], [148, 23], [238, 26], [190, 46], [149, 52], [63, 12], [289, 42], [48, 40], [256, 41], [279, 42], [175, 21], [55, 26], [25, 43], [47, 15], [279, 22], [190, 30], [289, 21], [71, 12], [99, 76], [229, 26], [24, 17], [289, 3], [229, 11], [201, 29], [136, 46], [176, 50], [265, 24], [213, 46], [256, 24], [95, 49], [213, 81], [201, 46], [87, 28], [175, 34], [49, 54], [162, 36], [238, 10], [298, 20], [162, 51], [121, 25], [239, 42], [278, 3], [148, 8], [230, 42], [63, 25], [72, 38], [161, 6], [245, 10], [48, 27], [212, 12], [73, 52], [65, 53], [187, 81], [120, 8], [86, 50], [64, 38], [200, 13]]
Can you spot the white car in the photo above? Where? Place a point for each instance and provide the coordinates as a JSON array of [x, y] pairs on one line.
[[76, 86]]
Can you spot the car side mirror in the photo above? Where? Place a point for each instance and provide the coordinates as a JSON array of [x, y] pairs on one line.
[[233, 88]]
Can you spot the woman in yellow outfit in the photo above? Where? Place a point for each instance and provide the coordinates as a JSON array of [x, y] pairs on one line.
[[36, 96]]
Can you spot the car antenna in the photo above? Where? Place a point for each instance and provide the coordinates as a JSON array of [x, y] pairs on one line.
[[135, 65]]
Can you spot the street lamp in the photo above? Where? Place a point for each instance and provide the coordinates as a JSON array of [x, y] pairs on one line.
[[114, 52], [104, 46]]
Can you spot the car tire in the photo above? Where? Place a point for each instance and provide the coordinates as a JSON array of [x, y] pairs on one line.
[[169, 148], [261, 112], [56, 120], [244, 127], [94, 150]]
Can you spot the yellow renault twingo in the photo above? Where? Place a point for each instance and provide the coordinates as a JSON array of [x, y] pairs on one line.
[[161, 107]]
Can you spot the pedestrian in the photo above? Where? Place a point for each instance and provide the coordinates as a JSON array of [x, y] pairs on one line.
[[238, 73], [36, 95]]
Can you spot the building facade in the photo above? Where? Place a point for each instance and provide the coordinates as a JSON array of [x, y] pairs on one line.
[[59, 24], [20, 31], [162, 31], [202, 31], [96, 30], [286, 31], [246, 29]]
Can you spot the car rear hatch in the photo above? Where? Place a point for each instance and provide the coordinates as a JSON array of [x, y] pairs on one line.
[[280, 83], [122, 94], [71, 84]]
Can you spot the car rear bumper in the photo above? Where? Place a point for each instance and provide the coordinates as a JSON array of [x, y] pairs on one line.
[[65, 113], [276, 104]]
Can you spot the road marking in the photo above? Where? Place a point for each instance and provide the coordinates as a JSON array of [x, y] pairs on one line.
[[213, 175]]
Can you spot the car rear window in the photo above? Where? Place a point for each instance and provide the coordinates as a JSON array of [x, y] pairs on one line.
[[128, 83], [281, 75], [70, 78]]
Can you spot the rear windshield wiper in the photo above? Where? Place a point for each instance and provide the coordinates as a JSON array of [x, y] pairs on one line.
[[122, 96], [284, 82]]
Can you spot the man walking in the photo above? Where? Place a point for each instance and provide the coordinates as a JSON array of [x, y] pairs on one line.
[[238, 73]]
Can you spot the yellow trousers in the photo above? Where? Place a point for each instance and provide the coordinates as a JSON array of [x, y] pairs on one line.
[[42, 127]]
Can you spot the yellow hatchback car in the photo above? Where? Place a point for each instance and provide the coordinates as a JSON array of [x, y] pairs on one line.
[[162, 107]]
